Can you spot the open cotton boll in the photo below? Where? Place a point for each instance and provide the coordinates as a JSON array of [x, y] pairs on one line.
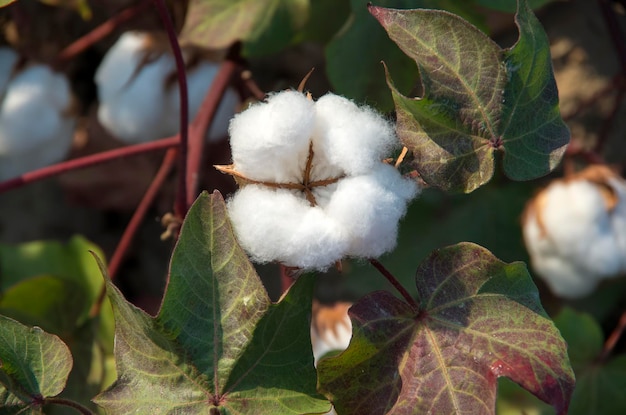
[[138, 92], [136, 112], [576, 218], [274, 225], [120, 63], [338, 120], [270, 140], [560, 273], [8, 59], [373, 222], [575, 231], [305, 208], [35, 126]]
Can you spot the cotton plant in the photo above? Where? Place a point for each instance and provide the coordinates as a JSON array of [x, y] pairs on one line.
[[575, 231], [139, 100], [36, 120], [313, 185]]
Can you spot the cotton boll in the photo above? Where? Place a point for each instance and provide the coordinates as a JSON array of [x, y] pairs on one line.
[[270, 140], [278, 225], [35, 127], [119, 65], [577, 221], [369, 208], [134, 114], [8, 59], [139, 95], [356, 138], [561, 275], [575, 231], [331, 211]]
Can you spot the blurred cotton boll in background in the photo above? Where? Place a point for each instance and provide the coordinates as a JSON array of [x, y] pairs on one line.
[[331, 330], [575, 231], [36, 123], [138, 90]]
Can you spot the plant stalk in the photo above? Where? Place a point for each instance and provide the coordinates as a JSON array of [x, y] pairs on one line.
[[180, 205], [396, 284], [87, 161]]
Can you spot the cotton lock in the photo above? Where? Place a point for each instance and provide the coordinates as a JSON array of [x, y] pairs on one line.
[[36, 121], [138, 92], [575, 231], [314, 187]]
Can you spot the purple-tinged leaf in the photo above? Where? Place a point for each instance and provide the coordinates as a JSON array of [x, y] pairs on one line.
[[477, 99], [33, 365], [479, 319]]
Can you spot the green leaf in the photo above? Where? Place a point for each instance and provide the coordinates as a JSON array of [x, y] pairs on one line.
[[600, 389], [477, 99], [600, 384], [6, 2], [510, 5], [583, 335], [54, 286], [478, 319], [325, 19], [55, 304], [265, 26], [34, 366], [218, 343], [535, 136], [72, 261], [354, 56]]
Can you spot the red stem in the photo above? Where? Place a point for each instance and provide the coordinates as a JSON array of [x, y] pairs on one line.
[[140, 212], [609, 346], [131, 229], [180, 205], [286, 280], [105, 29], [201, 123], [381, 268], [87, 161]]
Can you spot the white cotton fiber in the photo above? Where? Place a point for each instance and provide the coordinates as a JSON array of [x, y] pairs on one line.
[[344, 129], [575, 234], [139, 96], [134, 114], [353, 211], [119, 65], [270, 140], [273, 224], [36, 128], [372, 222], [8, 59]]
